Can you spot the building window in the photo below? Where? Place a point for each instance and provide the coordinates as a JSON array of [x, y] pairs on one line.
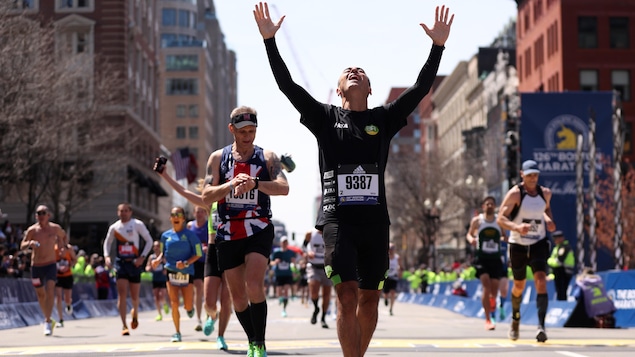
[[587, 32], [528, 62], [25, 5], [193, 132], [168, 17], [180, 132], [74, 43], [181, 86], [194, 111], [181, 63], [180, 111], [167, 39], [184, 18], [539, 52], [74, 5], [588, 80], [619, 32], [620, 80]]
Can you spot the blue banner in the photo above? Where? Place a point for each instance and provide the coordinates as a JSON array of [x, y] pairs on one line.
[[550, 125], [620, 287]]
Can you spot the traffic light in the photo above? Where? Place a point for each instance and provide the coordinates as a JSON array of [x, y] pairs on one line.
[[512, 145]]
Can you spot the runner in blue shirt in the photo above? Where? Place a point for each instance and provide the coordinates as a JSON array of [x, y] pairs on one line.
[[181, 248]]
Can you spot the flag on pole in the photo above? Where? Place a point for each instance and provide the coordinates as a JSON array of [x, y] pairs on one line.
[[192, 169], [180, 159]]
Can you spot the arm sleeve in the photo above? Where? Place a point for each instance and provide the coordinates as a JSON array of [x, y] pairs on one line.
[[145, 234], [407, 102], [298, 96], [108, 241]]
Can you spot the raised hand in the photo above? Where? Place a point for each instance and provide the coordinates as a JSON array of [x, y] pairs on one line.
[[441, 30], [265, 25]]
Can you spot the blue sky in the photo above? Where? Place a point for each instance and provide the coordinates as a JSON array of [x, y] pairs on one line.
[[318, 39]]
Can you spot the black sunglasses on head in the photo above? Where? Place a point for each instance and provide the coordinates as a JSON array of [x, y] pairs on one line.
[[41, 213]]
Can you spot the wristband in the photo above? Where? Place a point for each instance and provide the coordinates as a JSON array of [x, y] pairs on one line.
[[256, 180]]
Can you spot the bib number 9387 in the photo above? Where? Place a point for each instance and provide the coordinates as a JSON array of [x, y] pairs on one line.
[[357, 184]]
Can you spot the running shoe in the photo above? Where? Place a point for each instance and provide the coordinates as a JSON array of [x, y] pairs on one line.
[[391, 312], [135, 321], [176, 337], [324, 325], [159, 317], [541, 335], [69, 309], [125, 332], [190, 313], [314, 317], [250, 349], [198, 326], [209, 326], [166, 309], [220, 343], [489, 326], [385, 302], [48, 329], [513, 330], [284, 313], [260, 351], [60, 324]]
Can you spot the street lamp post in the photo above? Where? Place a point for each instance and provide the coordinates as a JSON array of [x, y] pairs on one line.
[[433, 217], [476, 192]]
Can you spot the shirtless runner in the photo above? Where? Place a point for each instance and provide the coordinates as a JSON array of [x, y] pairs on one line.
[[41, 238]]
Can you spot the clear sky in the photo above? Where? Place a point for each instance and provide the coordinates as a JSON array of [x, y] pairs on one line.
[[318, 39]]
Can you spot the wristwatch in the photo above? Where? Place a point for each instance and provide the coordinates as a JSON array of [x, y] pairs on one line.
[[186, 264], [256, 180]]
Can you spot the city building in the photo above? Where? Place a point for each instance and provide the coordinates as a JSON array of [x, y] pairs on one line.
[[198, 79], [189, 79], [578, 45]]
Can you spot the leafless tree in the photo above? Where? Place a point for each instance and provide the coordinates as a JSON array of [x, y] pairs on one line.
[[58, 145], [410, 181]]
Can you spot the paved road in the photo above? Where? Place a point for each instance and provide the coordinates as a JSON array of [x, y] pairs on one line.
[[414, 330]]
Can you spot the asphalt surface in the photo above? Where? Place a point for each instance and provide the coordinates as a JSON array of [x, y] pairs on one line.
[[413, 330]]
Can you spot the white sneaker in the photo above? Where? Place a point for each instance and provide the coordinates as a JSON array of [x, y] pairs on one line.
[[47, 329], [69, 309]]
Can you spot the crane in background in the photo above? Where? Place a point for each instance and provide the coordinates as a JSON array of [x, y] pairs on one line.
[[296, 58]]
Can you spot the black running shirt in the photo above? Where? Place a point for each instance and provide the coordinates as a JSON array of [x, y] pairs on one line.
[[353, 145]]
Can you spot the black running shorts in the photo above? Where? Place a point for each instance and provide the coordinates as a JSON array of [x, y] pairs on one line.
[[535, 255], [211, 262], [356, 252], [231, 253]]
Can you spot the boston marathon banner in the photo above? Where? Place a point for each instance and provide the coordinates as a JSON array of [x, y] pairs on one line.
[[550, 125]]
